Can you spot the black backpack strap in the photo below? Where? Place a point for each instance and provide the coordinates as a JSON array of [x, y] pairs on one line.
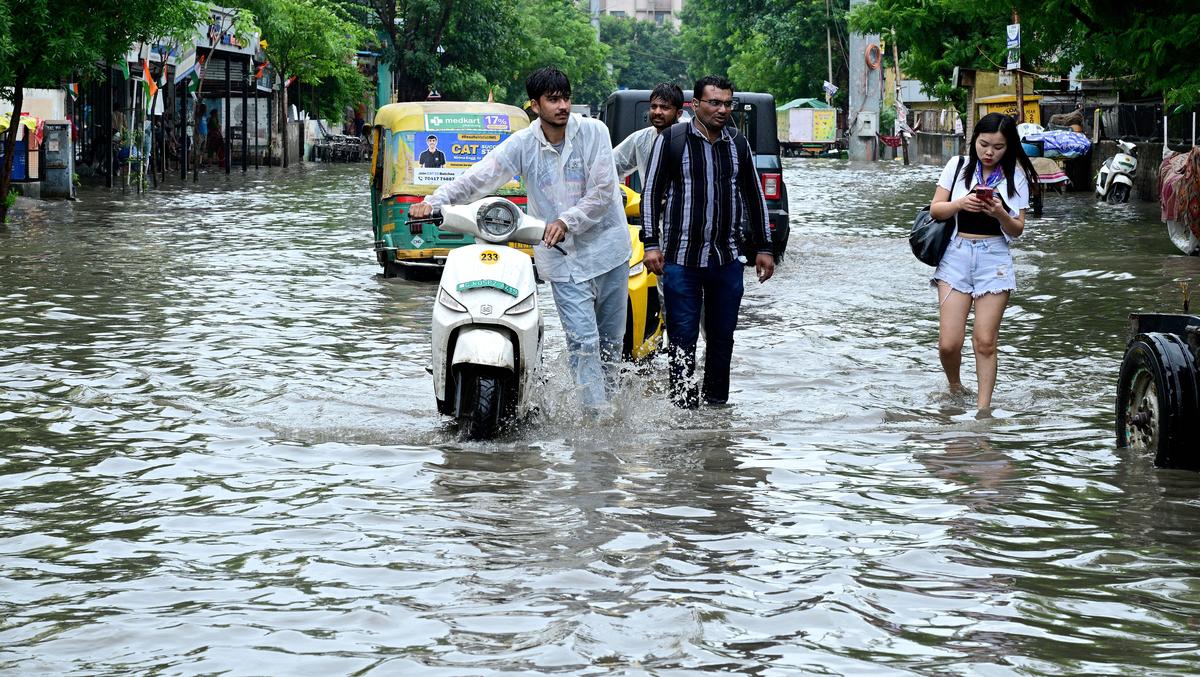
[[675, 142]]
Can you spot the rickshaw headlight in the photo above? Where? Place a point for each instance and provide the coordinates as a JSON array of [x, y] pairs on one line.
[[497, 220]]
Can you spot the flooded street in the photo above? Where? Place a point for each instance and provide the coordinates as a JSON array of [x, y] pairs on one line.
[[221, 455]]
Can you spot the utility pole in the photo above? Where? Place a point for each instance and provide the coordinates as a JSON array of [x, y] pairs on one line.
[[1016, 18], [828, 49], [865, 94], [899, 88]]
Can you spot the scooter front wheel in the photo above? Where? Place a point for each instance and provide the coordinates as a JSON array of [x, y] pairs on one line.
[[1119, 194], [487, 404]]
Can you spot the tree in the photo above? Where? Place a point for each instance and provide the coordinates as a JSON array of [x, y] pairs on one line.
[[458, 45], [643, 53], [1145, 49], [776, 46], [312, 41], [558, 33], [46, 43]]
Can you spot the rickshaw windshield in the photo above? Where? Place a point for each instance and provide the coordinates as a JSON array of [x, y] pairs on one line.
[[424, 145]]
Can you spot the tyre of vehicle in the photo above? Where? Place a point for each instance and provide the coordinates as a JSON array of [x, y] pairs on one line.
[[1119, 194], [1157, 401], [486, 413]]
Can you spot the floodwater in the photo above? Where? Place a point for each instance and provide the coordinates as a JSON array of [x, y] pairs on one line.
[[221, 456]]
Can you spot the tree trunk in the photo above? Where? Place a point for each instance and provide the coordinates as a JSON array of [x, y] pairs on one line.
[[10, 144]]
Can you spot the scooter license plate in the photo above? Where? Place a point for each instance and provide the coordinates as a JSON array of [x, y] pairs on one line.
[[488, 284]]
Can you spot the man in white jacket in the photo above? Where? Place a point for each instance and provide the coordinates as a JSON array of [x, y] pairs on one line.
[[567, 164], [633, 154]]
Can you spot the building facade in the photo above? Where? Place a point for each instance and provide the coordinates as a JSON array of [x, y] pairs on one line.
[[664, 12]]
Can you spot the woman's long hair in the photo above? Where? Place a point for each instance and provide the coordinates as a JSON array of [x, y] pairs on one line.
[[1013, 151]]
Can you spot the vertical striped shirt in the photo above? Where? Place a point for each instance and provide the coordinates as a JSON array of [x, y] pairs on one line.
[[694, 212]]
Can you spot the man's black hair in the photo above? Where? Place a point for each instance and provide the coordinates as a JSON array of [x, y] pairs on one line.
[[711, 81], [547, 81], [431, 137], [668, 92]]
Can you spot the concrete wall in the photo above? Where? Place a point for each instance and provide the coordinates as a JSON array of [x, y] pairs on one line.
[[1145, 182], [934, 149]]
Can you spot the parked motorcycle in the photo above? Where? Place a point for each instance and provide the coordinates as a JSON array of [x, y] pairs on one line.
[[1114, 182], [487, 328]]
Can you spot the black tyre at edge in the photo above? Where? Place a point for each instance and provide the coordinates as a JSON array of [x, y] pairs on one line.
[[1169, 363]]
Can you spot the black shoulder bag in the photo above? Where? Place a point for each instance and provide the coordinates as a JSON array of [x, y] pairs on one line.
[[930, 237]]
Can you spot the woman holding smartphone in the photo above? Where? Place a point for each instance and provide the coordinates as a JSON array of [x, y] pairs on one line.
[[986, 194]]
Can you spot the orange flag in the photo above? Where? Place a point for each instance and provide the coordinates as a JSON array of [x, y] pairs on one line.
[[151, 86]]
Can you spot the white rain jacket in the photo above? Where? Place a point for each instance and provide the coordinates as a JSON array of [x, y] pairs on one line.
[[578, 185], [633, 154]]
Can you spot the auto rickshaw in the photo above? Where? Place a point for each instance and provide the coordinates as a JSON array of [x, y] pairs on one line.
[[418, 146]]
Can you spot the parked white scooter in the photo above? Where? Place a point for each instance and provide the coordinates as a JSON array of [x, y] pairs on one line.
[[1114, 182], [487, 328]]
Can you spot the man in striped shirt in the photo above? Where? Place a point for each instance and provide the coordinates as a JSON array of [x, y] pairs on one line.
[[699, 192]]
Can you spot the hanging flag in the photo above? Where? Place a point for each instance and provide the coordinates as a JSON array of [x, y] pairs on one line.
[[148, 82], [289, 81], [193, 85], [262, 66], [73, 90], [125, 67], [829, 88]]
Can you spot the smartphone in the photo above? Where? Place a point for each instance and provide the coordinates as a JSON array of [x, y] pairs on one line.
[[984, 193]]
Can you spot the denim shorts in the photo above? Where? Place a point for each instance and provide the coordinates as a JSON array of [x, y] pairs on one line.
[[977, 267]]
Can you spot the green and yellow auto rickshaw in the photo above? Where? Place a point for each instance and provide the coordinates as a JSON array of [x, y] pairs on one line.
[[417, 147]]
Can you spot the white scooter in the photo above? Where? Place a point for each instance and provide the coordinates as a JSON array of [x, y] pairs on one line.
[[1114, 182], [487, 328]]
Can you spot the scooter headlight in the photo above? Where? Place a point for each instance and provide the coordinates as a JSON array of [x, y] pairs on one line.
[[637, 269], [449, 301], [524, 305], [497, 220]]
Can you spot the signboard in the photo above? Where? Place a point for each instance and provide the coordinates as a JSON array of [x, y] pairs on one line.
[[440, 157], [451, 143], [1014, 47], [467, 122], [825, 126], [1033, 112], [812, 125]]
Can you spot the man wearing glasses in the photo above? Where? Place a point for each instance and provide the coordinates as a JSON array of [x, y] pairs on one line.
[[697, 192]]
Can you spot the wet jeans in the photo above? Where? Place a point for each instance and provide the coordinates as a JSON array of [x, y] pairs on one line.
[[593, 318], [718, 290]]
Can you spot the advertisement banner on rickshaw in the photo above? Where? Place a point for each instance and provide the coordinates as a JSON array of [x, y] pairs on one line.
[[440, 157], [448, 146]]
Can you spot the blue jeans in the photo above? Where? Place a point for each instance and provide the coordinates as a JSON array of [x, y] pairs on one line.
[[718, 289], [593, 318]]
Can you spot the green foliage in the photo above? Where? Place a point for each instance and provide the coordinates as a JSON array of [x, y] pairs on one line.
[[10, 199], [559, 33], [486, 46], [643, 53], [776, 46], [1143, 46], [316, 42], [459, 48], [937, 35]]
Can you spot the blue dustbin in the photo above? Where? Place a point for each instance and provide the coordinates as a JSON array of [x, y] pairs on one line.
[[20, 170]]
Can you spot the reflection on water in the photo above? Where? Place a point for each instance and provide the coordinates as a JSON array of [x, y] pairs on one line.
[[221, 456]]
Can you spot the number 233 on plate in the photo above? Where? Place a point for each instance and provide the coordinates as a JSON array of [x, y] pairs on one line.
[[489, 256]]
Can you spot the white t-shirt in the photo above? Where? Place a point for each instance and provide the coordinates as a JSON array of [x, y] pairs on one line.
[[1015, 203]]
